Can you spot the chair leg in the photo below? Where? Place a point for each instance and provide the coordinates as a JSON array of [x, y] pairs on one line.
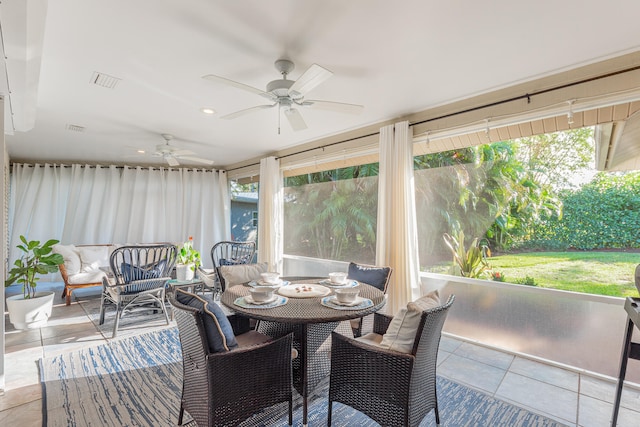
[[329, 413], [181, 414], [102, 309], [437, 413], [117, 320], [291, 410], [164, 308]]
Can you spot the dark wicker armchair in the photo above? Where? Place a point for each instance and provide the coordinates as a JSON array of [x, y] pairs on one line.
[[393, 388], [230, 253], [226, 388], [140, 274], [375, 276]]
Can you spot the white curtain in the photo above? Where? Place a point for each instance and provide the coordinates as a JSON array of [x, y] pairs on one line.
[[92, 205], [270, 214], [397, 241]]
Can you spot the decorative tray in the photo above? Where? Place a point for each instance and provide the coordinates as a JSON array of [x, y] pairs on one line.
[[304, 290]]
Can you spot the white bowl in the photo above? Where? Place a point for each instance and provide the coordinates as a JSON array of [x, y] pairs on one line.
[[271, 277], [338, 277], [261, 293], [346, 295]]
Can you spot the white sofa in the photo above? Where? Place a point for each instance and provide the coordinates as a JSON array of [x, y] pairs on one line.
[[82, 266]]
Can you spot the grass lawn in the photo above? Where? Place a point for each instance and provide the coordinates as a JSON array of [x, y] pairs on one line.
[[602, 273]]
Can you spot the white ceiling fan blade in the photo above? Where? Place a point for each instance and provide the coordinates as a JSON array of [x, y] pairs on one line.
[[295, 119], [172, 161], [197, 159], [340, 107], [214, 78], [247, 111], [182, 153], [311, 78]]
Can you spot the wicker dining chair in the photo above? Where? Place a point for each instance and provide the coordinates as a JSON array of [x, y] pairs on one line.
[[140, 274], [375, 276], [225, 388], [230, 253], [391, 387]]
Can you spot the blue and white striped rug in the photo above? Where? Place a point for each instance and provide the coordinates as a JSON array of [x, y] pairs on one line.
[[137, 381]]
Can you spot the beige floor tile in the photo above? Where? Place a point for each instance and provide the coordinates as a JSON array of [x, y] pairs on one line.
[[20, 396], [557, 402], [27, 415]]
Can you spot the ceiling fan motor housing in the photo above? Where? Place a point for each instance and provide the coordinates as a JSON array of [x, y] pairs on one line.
[[279, 87]]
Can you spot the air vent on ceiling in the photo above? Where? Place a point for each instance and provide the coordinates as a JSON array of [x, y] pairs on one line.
[[75, 128], [104, 80]]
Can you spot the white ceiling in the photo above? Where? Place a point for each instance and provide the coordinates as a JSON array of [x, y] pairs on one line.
[[395, 58]]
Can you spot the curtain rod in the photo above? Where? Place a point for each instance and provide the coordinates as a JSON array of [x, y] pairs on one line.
[[526, 96], [153, 168]]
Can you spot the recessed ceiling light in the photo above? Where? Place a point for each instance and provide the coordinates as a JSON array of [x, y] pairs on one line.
[[207, 110], [141, 151]]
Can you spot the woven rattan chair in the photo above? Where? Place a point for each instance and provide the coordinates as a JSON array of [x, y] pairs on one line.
[[375, 276], [230, 253], [225, 388], [393, 388], [140, 274]]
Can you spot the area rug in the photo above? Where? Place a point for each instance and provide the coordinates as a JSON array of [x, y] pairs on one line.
[[137, 381]]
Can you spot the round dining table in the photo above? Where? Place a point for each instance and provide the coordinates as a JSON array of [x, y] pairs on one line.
[[311, 323]]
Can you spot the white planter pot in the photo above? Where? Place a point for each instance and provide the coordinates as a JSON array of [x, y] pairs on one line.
[[30, 313], [185, 272]]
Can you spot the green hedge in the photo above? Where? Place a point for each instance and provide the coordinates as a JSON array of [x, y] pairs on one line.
[[604, 213]]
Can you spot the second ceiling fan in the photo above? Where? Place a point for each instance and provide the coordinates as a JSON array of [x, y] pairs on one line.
[[287, 94]]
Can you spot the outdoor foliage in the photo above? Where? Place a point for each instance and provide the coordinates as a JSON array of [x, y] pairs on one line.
[[604, 213], [468, 262], [332, 214]]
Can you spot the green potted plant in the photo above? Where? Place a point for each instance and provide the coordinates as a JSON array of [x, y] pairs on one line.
[[32, 309], [187, 262]]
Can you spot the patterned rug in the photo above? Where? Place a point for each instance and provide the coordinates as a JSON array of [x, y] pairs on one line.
[[137, 381]]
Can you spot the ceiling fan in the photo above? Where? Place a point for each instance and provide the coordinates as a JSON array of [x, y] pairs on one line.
[[172, 154], [287, 94]]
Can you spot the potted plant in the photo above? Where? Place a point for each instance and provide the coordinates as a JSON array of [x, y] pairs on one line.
[[32, 309], [187, 262]]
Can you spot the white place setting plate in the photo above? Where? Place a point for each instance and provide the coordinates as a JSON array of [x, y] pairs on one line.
[[359, 303], [304, 290], [347, 283], [255, 283], [248, 302]]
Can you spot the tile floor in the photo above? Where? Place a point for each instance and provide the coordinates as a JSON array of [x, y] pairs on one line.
[[568, 396]]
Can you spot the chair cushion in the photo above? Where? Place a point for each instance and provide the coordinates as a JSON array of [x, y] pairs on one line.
[[150, 271], [93, 257], [371, 338], [374, 276], [218, 328], [71, 257], [236, 274], [401, 332]]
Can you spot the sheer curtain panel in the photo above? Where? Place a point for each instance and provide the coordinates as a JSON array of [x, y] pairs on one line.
[[84, 204], [270, 214], [397, 242]]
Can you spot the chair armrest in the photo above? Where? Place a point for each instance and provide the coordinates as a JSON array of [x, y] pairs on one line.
[[381, 323], [63, 273]]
